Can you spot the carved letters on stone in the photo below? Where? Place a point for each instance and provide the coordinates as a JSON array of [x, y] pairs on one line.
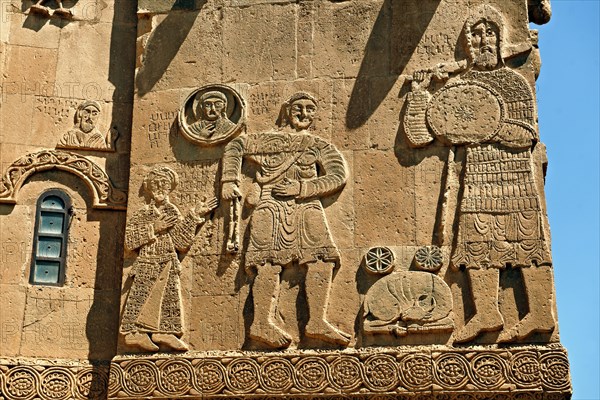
[[85, 134], [288, 226], [212, 115], [105, 195], [489, 110], [153, 315]]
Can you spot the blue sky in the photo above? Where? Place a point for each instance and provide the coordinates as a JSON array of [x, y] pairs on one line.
[[568, 93]]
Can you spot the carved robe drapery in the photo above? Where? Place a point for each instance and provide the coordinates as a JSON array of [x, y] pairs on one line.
[[78, 139], [288, 229], [154, 301]]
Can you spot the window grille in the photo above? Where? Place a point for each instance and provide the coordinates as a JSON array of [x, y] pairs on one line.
[[50, 239]]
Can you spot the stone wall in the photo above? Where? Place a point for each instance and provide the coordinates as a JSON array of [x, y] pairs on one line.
[[277, 198], [51, 64]]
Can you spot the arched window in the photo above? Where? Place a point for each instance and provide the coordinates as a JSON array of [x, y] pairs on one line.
[[50, 239]]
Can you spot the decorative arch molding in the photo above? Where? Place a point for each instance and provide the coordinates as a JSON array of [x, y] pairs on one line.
[[105, 195]]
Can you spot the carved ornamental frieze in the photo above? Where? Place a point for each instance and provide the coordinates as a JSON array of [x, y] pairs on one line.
[[515, 374], [104, 194]]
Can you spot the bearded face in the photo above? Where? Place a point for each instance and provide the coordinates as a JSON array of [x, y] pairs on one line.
[[159, 189], [484, 45], [302, 113], [88, 118]]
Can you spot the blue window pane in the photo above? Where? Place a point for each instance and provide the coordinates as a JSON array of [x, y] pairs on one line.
[[49, 247], [51, 222], [53, 202], [46, 272]]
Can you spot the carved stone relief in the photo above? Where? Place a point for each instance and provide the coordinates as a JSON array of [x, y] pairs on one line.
[[105, 195], [288, 228], [487, 110], [336, 238], [85, 134], [392, 373], [153, 311], [212, 115], [40, 8], [407, 302]]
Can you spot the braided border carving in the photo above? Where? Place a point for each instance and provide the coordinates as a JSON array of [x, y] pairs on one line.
[[105, 195], [444, 374]]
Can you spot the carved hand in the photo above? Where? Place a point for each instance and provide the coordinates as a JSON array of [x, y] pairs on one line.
[[230, 190], [421, 80], [440, 72], [287, 188], [204, 207], [164, 222]]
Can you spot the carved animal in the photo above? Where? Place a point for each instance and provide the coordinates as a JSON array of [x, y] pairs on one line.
[[406, 302]]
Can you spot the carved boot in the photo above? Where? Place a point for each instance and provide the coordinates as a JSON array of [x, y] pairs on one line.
[[265, 292], [170, 341], [484, 288], [318, 285], [40, 9], [63, 12], [540, 296], [141, 341]]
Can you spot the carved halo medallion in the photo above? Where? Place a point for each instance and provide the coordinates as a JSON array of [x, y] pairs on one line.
[[212, 115]]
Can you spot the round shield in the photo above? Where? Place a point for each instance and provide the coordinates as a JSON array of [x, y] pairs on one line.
[[465, 112]]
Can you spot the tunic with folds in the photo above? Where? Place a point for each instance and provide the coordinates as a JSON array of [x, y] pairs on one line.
[[154, 301], [288, 229]]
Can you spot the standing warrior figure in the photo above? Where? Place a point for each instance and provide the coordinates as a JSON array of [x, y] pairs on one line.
[[489, 109], [288, 225], [153, 309]]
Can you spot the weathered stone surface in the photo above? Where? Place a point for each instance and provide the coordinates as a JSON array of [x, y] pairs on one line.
[[275, 198]]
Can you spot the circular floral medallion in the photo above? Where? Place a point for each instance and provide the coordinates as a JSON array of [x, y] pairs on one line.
[[379, 261], [56, 384], [212, 115], [242, 375], [311, 374], [92, 382], [209, 377], [488, 371], [381, 373], [451, 370], [416, 371], [175, 377], [21, 383], [276, 375], [429, 258], [140, 378], [525, 369], [555, 371], [345, 373]]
